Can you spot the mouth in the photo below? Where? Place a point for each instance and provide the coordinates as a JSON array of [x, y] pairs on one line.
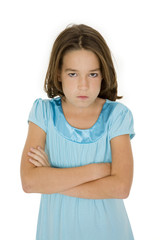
[[82, 97]]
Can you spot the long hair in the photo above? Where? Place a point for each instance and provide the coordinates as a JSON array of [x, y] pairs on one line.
[[78, 37]]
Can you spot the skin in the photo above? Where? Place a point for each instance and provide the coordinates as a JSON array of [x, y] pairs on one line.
[[38, 157], [38, 177], [79, 79], [82, 81]]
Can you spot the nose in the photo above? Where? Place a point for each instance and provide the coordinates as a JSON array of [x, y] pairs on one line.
[[83, 83]]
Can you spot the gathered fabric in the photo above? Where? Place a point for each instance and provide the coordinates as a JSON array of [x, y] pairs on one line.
[[62, 217]]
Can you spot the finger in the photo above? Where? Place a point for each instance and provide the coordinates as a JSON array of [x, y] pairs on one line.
[[45, 155], [43, 152], [37, 152], [40, 156], [37, 158], [37, 164]]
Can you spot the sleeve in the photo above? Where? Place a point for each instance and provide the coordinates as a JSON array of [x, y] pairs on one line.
[[122, 123], [37, 114]]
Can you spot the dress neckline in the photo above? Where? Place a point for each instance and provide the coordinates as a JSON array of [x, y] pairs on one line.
[[85, 129]]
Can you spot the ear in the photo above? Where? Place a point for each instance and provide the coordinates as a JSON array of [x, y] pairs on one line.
[[59, 79], [59, 76]]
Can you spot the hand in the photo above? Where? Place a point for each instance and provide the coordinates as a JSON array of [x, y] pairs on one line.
[[38, 157]]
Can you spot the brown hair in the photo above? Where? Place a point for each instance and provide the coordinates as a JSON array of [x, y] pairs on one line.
[[78, 37]]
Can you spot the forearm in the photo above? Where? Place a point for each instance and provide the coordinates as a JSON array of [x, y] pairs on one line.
[[49, 180], [104, 188]]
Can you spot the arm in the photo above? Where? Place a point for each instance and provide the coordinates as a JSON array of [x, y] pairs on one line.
[[52, 180], [119, 183]]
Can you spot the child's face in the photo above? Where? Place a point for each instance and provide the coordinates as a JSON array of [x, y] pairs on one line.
[[81, 76]]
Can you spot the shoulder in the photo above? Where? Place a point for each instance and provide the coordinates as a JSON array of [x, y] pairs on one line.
[[46, 103], [120, 120], [41, 101], [42, 107], [117, 113], [116, 108], [47, 106], [113, 105]]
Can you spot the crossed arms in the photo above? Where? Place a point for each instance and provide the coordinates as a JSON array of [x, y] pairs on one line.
[[92, 181]]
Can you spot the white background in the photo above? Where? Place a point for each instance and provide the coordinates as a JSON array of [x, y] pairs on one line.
[[28, 29]]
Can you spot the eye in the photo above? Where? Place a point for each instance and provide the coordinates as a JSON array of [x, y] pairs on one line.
[[72, 74], [94, 75]]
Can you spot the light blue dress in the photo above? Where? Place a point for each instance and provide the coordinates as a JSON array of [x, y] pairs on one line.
[[62, 217]]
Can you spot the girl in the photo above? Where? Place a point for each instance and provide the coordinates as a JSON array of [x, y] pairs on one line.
[[78, 153]]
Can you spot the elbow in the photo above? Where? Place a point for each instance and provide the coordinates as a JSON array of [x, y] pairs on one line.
[[26, 186], [125, 195], [27, 181], [125, 191]]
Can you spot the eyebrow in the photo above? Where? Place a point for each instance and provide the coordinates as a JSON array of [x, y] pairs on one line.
[[74, 70]]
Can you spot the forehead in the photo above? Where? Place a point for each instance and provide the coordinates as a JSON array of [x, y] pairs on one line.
[[81, 58]]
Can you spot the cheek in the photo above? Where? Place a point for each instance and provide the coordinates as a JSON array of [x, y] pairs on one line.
[[96, 85], [68, 86]]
